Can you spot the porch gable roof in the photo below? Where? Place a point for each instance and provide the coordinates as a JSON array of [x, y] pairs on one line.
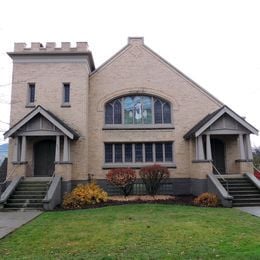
[[39, 110], [209, 119]]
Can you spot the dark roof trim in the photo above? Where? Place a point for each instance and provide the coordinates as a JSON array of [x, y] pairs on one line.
[[63, 127]]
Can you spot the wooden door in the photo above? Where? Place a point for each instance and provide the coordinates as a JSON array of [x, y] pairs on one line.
[[44, 156], [218, 155]]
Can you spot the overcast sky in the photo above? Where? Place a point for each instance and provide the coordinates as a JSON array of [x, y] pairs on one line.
[[216, 43]]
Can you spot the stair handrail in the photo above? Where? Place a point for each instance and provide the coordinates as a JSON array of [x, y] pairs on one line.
[[7, 178], [255, 168], [29, 163], [217, 171], [9, 175]]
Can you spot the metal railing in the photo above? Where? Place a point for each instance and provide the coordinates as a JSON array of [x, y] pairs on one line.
[[255, 168], [2, 184], [221, 176]]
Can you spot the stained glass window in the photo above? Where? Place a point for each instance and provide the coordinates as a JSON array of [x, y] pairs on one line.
[[138, 110]]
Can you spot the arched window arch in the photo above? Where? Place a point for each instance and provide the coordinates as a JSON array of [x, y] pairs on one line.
[[138, 110]]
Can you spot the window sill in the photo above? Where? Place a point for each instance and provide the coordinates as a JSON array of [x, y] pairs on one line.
[[138, 127], [136, 165], [68, 162], [201, 161], [66, 105], [243, 160], [19, 163], [30, 106]]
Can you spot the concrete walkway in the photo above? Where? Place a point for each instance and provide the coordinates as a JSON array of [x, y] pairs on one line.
[[255, 211], [11, 220]]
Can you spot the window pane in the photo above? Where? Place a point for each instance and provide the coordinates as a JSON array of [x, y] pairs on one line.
[[159, 152], [157, 112], [66, 93], [138, 110], [128, 104], [31, 93], [166, 113], [109, 114], [108, 153], [147, 110], [128, 153], [168, 152], [148, 152], [118, 152], [117, 112], [138, 153]]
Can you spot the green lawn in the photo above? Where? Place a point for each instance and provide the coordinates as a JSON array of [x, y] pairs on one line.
[[145, 231]]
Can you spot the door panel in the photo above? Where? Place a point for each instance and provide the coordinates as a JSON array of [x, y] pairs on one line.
[[218, 155], [44, 156]]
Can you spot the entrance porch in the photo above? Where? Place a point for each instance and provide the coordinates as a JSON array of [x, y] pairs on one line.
[[40, 146], [220, 143]]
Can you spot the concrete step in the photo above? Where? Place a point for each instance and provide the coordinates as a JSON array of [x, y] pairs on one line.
[[242, 188], [33, 185], [19, 188], [24, 201], [253, 195], [240, 184], [24, 205], [34, 182], [29, 196], [245, 204], [249, 200], [29, 193]]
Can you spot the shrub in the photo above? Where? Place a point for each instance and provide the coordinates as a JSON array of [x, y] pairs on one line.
[[152, 176], [83, 195], [123, 178], [257, 174], [206, 199]]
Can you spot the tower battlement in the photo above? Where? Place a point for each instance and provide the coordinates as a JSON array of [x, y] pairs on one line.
[[22, 47]]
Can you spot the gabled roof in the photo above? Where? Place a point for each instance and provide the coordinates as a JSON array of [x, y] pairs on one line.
[[208, 120], [57, 122], [162, 60]]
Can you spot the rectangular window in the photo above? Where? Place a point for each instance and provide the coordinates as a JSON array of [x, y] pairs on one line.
[[149, 152], [118, 153], [31, 93], [144, 153], [66, 93], [168, 152], [108, 153], [128, 153], [159, 152], [138, 152]]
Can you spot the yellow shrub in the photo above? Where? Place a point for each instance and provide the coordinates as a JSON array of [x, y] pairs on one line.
[[206, 199], [83, 195]]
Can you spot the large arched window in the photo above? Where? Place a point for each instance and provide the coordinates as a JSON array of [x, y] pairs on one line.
[[138, 110]]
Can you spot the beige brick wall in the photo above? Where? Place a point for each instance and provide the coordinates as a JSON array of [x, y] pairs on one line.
[[49, 78], [137, 70]]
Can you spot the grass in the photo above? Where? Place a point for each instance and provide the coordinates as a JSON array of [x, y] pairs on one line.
[[145, 231]]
